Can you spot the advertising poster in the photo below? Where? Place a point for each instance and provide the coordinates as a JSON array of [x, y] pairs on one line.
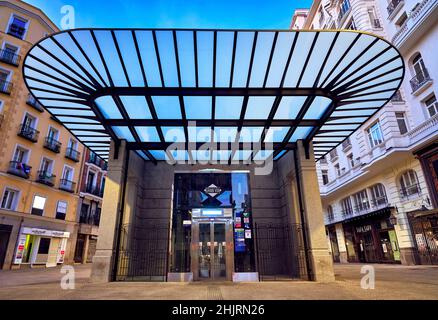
[[20, 249]]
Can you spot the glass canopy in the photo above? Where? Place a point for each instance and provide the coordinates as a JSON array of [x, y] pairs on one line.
[[235, 88]]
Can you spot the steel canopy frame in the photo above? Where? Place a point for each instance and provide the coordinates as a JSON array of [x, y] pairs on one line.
[[344, 78]]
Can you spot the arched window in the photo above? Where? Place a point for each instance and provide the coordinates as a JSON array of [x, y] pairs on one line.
[[330, 214], [409, 183], [418, 64], [378, 194]]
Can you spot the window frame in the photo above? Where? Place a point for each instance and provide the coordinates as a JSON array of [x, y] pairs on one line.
[[405, 188], [433, 104], [57, 207], [11, 20], [347, 209], [359, 201], [33, 202], [402, 118], [370, 131], [15, 200], [381, 194]]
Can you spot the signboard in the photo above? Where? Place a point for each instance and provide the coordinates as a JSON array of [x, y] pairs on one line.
[[212, 190], [247, 234], [19, 252], [363, 229], [44, 232]]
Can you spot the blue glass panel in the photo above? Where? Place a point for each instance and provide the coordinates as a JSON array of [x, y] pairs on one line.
[[37, 75], [221, 155], [228, 107], [261, 58], [329, 139], [43, 94], [85, 126], [199, 134], [251, 134], [67, 112], [243, 57], [299, 56], [123, 133], [89, 133], [75, 119], [186, 58], [129, 56], [166, 50], [205, 58], [198, 107], [147, 134], [96, 139], [167, 107], [66, 40], [142, 155], [136, 107], [263, 155], [173, 134], [225, 134], [159, 154], [348, 120], [224, 57], [180, 155], [280, 154], [354, 113], [289, 107], [259, 107], [109, 52], [149, 58], [42, 86], [317, 108], [366, 104], [276, 134], [340, 127], [279, 59], [64, 104], [108, 107], [300, 133]]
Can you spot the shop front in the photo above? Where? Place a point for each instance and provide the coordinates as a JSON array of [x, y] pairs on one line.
[[371, 238], [40, 247], [424, 227]]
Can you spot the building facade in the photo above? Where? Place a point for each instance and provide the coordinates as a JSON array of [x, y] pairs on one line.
[[379, 187], [40, 161], [91, 187]]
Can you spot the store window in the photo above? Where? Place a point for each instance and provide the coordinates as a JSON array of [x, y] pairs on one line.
[[401, 121], [409, 184], [44, 246], [378, 194], [431, 106], [361, 202], [375, 134], [61, 210], [347, 208], [38, 205], [9, 199]]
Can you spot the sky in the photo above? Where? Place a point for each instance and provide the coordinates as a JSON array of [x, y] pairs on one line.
[[233, 14]]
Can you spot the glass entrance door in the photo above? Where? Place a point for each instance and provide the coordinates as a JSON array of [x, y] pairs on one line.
[[212, 251]]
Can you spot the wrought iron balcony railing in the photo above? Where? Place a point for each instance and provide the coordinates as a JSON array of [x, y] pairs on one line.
[[72, 154], [6, 86], [16, 31], [10, 57], [92, 218], [46, 178], [67, 185], [19, 169], [28, 133], [52, 144], [346, 145], [31, 101], [96, 191], [419, 80], [411, 191], [376, 24]]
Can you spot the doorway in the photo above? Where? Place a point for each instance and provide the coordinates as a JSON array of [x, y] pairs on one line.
[[5, 232], [212, 255]]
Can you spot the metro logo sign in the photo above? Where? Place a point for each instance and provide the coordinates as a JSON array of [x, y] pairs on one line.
[[212, 190]]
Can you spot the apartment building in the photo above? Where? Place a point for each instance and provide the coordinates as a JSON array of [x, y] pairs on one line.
[[92, 184], [379, 188], [40, 161]]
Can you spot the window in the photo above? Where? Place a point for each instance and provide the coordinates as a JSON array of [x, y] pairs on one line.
[[61, 210], [409, 184], [350, 160], [9, 54], [375, 135], [337, 170], [38, 206], [374, 21], [431, 106], [330, 214], [347, 208], [17, 27], [44, 246], [378, 194], [401, 21], [418, 65], [67, 174], [361, 202], [72, 144], [325, 179], [29, 122], [46, 166], [345, 6], [4, 81], [10, 199], [53, 134], [401, 121], [20, 155]]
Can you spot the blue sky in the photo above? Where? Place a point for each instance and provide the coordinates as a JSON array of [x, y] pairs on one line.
[[274, 14]]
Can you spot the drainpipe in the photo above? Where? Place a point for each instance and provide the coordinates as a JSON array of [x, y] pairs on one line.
[[303, 220], [121, 212]]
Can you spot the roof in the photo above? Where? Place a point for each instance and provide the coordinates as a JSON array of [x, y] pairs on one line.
[[272, 87]]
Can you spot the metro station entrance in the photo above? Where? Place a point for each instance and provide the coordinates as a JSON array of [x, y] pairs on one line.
[[212, 249]]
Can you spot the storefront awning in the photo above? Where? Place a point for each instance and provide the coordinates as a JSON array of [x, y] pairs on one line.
[[148, 86]]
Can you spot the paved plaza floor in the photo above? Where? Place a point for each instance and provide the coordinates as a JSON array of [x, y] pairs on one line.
[[392, 282]]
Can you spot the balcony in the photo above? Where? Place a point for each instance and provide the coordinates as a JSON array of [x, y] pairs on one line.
[[394, 7], [97, 162], [420, 21], [67, 185], [52, 144], [72, 154], [346, 145], [357, 211], [46, 178], [94, 191], [28, 133], [5, 87], [333, 155], [92, 218], [420, 81], [19, 169], [376, 24], [16, 31], [31, 101], [427, 129], [9, 57]]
